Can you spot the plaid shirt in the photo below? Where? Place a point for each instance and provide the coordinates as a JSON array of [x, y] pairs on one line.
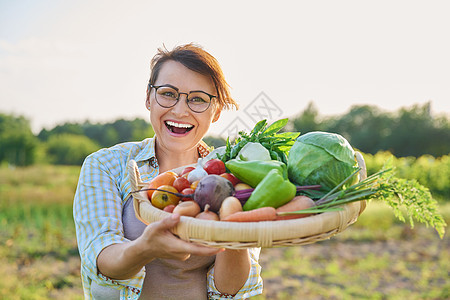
[[103, 189]]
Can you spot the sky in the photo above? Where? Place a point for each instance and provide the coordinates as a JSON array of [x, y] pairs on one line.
[[72, 61]]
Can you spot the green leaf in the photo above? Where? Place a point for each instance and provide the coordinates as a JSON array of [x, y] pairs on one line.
[[275, 127], [288, 135], [258, 127]]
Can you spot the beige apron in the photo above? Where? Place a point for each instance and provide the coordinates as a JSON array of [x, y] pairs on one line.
[[165, 278]]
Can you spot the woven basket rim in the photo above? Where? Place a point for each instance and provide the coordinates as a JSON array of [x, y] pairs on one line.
[[237, 235]]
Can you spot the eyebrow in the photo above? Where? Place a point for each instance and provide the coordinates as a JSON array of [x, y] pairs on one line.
[[193, 91]]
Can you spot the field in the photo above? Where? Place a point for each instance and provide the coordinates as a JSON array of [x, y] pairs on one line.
[[376, 258]]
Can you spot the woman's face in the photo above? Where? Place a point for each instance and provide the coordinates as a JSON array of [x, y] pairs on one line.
[[178, 128]]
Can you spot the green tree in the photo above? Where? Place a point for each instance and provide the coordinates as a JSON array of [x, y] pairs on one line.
[[409, 132], [17, 143], [104, 134], [69, 149], [365, 127], [70, 128], [308, 120], [416, 132]]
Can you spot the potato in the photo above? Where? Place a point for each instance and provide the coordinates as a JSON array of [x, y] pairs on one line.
[[229, 206]]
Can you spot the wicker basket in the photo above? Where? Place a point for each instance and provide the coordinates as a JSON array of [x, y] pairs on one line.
[[234, 235]]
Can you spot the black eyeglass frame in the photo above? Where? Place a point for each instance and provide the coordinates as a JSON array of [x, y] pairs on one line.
[[211, 97]]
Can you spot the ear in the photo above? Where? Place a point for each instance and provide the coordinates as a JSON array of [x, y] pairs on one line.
[[216, 115], [147, 100]]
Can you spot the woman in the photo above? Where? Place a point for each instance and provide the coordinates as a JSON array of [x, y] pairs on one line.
[[119, 254]]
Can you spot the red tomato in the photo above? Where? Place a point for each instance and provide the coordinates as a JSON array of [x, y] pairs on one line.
[[181, 183], [188, 191], [187, 170], [214, 166], [231, 178]]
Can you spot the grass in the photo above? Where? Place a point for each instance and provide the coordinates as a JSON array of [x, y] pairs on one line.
[[376, 258], [38, 250]]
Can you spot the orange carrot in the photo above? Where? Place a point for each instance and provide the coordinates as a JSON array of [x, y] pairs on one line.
[[297, 203], [255, 215]]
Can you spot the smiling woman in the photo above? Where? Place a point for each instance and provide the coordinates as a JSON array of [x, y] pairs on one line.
[[122, 258]]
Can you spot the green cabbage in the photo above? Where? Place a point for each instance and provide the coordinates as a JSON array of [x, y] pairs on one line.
[[321, 158]]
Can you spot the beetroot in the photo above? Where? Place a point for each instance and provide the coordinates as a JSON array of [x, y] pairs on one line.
[[212, 190]]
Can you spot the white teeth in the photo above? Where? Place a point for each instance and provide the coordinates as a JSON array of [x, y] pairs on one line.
[[179, 125]]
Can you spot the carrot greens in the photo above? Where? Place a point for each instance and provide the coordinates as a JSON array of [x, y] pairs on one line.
[[402, 195]]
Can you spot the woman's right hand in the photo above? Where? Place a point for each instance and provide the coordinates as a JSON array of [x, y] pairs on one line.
[[157, 241], [124, 260]]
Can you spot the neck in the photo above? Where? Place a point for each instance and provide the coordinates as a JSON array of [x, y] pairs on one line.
[[169, 159]]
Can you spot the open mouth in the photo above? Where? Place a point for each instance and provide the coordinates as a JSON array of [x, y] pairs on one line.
[[179, 128]]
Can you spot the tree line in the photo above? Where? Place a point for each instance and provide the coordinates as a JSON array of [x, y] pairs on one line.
[[66, 144], [413, 131]]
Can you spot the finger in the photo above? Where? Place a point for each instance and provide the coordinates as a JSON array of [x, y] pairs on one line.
[[167, 223], [201, 250]]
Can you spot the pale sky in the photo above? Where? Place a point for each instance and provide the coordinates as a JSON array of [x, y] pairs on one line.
[[66, 61]]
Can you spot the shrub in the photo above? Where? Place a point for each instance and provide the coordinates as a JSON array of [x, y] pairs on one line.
[[69, 149], [434, 173]]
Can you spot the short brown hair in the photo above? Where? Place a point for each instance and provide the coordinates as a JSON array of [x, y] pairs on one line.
[[198, 60]]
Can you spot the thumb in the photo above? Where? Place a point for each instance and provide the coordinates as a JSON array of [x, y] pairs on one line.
[[169, 222]]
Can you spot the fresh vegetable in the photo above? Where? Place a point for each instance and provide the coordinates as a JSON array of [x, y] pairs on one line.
[[215, 153], [274, 190], [243, 194], [166, 178], [253, 171], [186, 170], [278, 144], [197, 174], [181, 183], [188, 191], [169, 208], [403, 196], [165, 196], [229, 206], [214, 166], [256, 215], [212, 190], [296, 204], [195, 184], [187, 208], [321, 158], [207, 215], [231, 178], [254, 151], [242, 186]]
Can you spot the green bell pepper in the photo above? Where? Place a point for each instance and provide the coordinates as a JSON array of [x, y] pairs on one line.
[[273, 190], [252, 172]]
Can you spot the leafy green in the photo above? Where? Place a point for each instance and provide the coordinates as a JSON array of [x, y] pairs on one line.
[[278, 144], [321, 158]]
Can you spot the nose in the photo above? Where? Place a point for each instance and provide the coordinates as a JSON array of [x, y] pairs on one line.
[[181, 108]]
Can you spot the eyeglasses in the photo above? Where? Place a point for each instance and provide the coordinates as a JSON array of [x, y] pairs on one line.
[[167, 96]]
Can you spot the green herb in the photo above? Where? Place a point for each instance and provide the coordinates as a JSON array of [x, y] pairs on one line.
[[400, 194], [278, 144]]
